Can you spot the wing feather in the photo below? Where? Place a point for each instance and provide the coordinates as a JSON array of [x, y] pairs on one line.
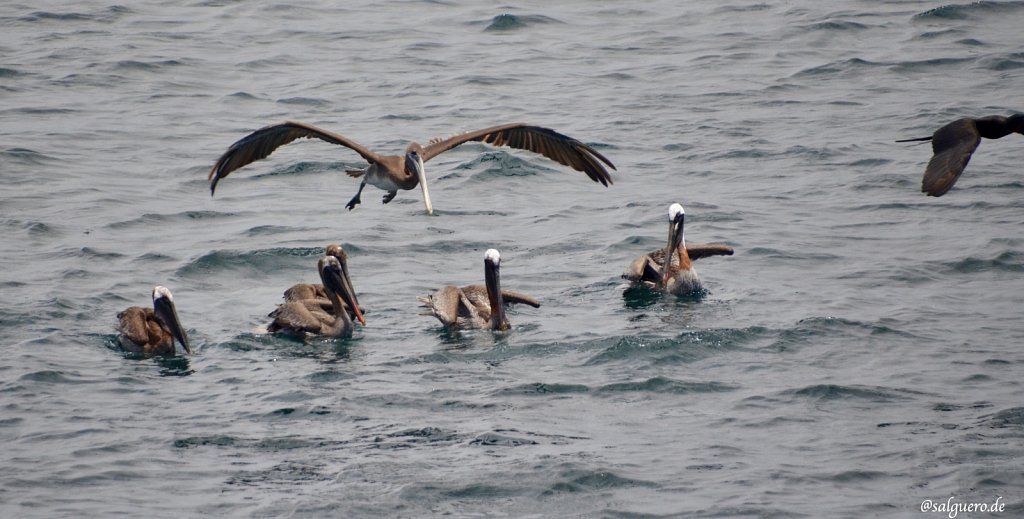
[[511, 296], [296, 317], [558, 147], [704, 250], [953, 145], [261, 143], [132, 323], [444, 304], [695, 251]]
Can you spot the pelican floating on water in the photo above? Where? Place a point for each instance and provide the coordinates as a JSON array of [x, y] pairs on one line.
[[307, 318], [476, 306], [954, 143], [670, 270], [393, 172], [314, 294], [152, 331]]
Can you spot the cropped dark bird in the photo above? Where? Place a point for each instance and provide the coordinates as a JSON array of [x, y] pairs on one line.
[[670, 270], [954, 143], [152, 331], [394, 172], [306, 318], [476, 306]]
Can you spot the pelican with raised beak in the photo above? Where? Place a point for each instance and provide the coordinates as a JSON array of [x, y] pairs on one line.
[[476, 306], [152, 331], [314, 295], [394, 172], [307, 318], [670, 270]]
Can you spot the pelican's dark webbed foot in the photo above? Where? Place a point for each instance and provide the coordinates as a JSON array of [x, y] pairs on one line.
[[390, 196], [355, 200], [353, 203]]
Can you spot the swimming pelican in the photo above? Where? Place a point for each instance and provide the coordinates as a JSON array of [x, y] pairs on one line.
[[393, 172], [152, 331], [954, 143], [475, 306], [300, 318], [314, 295], [677, 275]]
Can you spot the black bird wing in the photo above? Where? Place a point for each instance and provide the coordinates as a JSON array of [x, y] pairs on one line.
[[558, 147], [261, 143], [953, 145]]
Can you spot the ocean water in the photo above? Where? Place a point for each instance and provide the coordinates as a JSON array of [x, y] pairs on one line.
[[860, 354]]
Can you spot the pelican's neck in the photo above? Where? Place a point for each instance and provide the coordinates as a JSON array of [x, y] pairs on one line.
[[493, 281], [339, 310]]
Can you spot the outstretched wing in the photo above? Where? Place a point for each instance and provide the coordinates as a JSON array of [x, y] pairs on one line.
[[513, 297], [703, 250], [561, 148], [695, 251], [261, 143], [953, 145]]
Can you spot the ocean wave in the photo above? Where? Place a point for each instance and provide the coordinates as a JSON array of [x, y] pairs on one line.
[[966, 11], [512, 22]]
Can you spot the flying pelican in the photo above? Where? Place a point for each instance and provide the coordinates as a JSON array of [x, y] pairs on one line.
[[664, 271], [313, 294], [303, 318], [393, 172], [152, 331], [475, 306], [954, 143]]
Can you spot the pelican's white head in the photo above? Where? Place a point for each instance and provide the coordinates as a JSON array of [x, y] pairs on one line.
[[493, 256], [674, 211], [162, 292]]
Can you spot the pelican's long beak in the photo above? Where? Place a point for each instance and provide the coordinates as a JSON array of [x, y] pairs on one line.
[[337, 281], [675, 240], [417, 163], [163, 307], [492, 279], [354, 310]]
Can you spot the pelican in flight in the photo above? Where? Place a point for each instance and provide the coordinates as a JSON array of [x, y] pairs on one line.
[[475, 306], [152, 331], [394, 172], [307, 318], [954, 143], [314, 294], [670, 270]]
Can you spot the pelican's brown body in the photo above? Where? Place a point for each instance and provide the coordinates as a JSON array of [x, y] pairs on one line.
[[393, 172], [476, 306], [683, 279], [673, 273], [954, 143], [149, 332]]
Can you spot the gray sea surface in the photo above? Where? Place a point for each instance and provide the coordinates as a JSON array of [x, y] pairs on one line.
[[861, 355]]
